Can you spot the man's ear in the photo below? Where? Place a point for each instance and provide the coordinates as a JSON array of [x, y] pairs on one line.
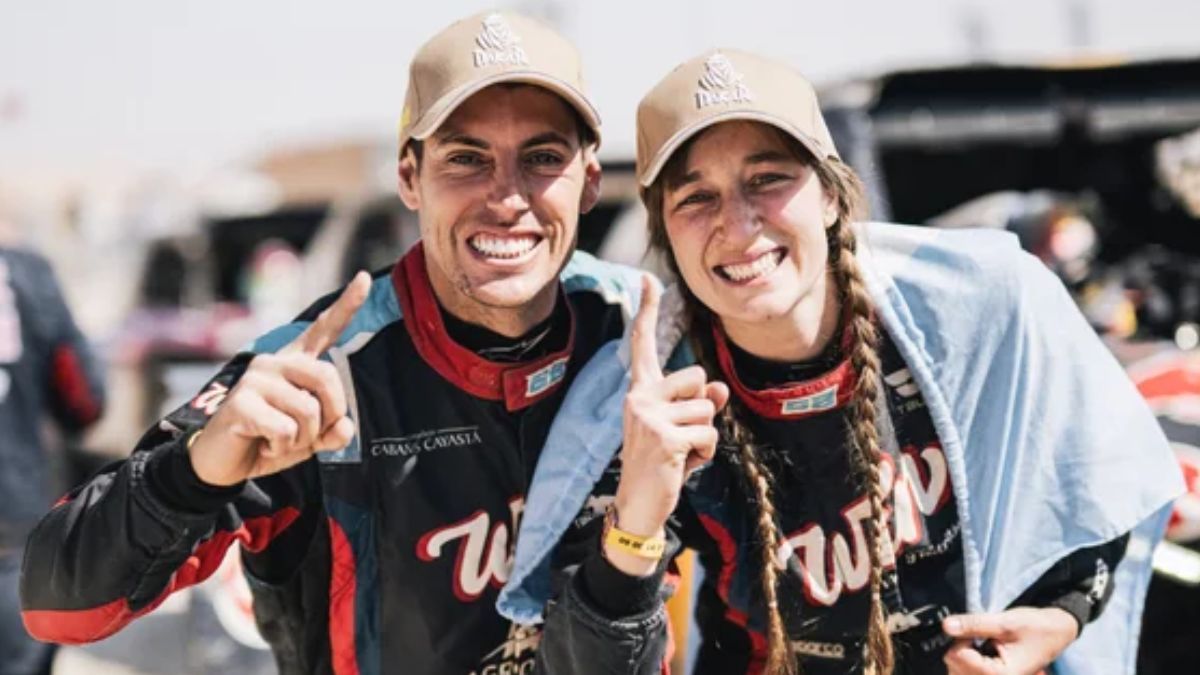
[[591, 180], [408, 176]]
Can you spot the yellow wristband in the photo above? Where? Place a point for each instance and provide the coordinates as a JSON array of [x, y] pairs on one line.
[[651, 548]]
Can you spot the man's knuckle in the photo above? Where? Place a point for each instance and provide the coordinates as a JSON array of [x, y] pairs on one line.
[[328, 372]]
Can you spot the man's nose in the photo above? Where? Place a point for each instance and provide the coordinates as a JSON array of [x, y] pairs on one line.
[[509, 195]]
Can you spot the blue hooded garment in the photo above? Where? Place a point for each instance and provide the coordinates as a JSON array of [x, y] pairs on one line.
[[1050, 447]]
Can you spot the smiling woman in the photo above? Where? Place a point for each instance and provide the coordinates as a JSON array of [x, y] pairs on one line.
[[748, 231], [877, 498]]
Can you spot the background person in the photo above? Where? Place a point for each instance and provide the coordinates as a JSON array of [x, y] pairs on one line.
[[47, 369]]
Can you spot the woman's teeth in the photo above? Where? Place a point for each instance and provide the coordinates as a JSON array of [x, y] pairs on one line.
[[503, 247], [760, 267]]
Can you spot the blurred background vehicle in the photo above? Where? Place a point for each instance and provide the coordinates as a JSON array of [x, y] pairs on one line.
[[1096, 169]]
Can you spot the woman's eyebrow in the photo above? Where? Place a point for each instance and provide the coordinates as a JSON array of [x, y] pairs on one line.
[[768, 156]]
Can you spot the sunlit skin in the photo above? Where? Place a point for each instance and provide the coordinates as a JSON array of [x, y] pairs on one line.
[[507, 167], [744, 196]]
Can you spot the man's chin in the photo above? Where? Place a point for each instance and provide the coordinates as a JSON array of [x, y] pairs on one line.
[[511, 293]]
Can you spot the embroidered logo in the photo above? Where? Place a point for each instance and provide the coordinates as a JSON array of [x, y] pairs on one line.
[[826, 399], [721, 83], [484, 557], [497, 44], [902, 381], [820, 650], [1099, 583], [542, 379], [211, 399], [426, 441], [515, 655], [837, 562]]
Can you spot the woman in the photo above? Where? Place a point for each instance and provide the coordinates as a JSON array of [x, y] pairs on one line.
[[887, 461]]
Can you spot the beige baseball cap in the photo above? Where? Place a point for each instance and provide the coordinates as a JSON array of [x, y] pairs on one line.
[[722, 85], [482, 50]]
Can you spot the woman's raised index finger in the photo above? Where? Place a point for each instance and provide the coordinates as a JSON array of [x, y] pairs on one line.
[[643, 343]]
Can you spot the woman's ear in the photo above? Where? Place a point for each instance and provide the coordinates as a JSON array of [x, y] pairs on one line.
[[830, 211]]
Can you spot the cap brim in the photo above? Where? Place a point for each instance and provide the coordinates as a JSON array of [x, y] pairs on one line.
[[440, 110], [680, 137]]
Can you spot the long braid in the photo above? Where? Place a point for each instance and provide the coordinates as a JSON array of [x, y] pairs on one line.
[[864, 434], [780, 660]]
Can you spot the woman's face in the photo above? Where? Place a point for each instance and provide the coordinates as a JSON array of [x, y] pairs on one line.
[[747, 226]]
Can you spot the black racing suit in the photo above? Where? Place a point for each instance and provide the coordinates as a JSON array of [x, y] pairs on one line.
[[797, 413], [384, 557]]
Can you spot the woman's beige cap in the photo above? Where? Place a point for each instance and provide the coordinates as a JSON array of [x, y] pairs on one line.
[[483, 50], [723, 85]]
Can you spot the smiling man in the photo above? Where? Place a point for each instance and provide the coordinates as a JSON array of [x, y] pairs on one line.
[[372, 458]]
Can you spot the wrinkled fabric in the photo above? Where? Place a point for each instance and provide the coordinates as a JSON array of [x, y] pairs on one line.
[[1050, 447]]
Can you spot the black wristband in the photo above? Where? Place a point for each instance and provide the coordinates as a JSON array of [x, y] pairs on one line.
[[1077, 604], [615, 594]]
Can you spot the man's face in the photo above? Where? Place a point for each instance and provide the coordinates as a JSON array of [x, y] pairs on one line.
[[499, 189]]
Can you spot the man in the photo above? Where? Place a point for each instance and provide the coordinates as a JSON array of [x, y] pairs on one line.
[[432, 387], [45, 367]]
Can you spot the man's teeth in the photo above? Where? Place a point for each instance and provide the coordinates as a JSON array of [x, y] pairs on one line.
[[763, 265], [503, 247]]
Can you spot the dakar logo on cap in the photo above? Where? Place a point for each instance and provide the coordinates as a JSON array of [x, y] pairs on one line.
[[721, 83], [498, 44]]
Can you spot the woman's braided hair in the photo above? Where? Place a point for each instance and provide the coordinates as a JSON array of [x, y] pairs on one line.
[[843, 185]]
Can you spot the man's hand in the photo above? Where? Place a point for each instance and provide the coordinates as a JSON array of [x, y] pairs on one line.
[[668, 432], [285, 407], [1025, 640]]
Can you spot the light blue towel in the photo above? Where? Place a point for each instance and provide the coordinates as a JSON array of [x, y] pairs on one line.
[[1050, 447]]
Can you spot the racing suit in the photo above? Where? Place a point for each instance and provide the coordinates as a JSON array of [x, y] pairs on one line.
[[797, 415], [383, 557]]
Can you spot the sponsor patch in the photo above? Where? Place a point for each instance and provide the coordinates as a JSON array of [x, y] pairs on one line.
[[826, 399], [544, 378], [211, 398], [426, 441]]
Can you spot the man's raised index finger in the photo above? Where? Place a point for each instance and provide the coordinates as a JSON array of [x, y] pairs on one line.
[[643, 343], [323, 332]]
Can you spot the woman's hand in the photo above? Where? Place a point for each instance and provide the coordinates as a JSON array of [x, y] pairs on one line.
[[1025, 640], [668, 429]]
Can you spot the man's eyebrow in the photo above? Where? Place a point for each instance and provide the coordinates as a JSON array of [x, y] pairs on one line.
[[458, 138], [547, 138]]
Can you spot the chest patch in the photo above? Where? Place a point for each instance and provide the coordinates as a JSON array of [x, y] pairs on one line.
[[826, 399], [542, 379], [425, 441]]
